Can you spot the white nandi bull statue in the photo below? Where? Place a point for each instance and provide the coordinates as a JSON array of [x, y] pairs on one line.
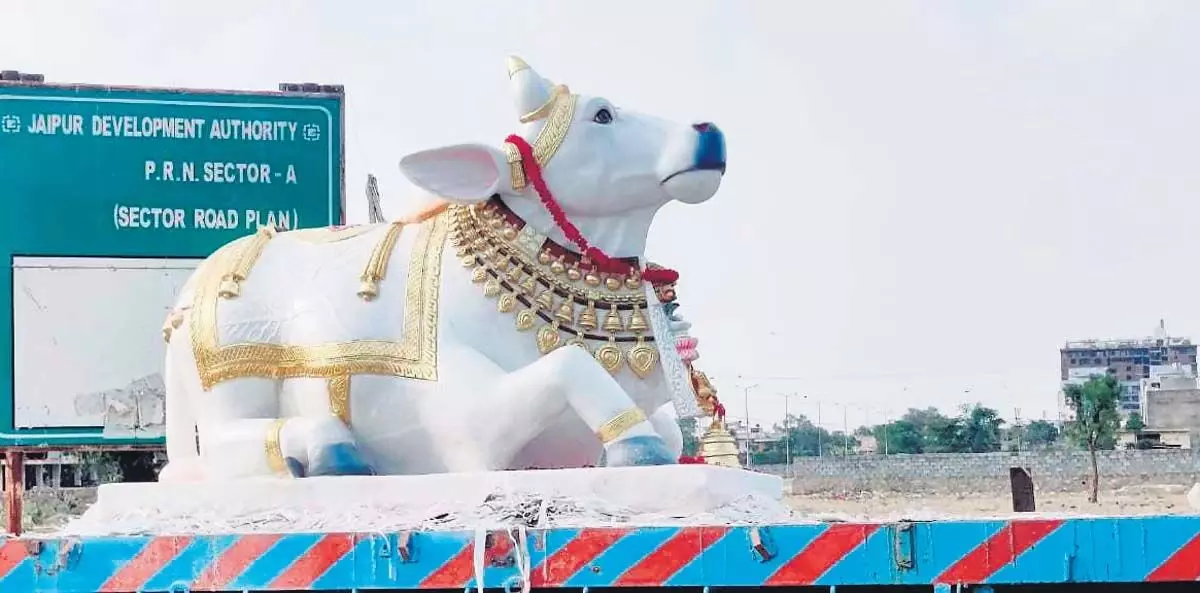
[[510, 325]]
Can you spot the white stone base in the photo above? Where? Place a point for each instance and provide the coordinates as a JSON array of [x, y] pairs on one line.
[[665, 491]]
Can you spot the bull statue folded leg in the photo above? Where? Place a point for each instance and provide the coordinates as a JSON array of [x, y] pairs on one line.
[[511, 324]]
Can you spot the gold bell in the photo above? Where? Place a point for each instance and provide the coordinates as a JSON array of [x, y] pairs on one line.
[[612, 322], [557, 266], [718, 447], [369, 289], [587, 319], [637, 321], [566, 312], [546, 299]]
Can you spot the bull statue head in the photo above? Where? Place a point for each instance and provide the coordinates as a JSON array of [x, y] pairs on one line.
[[609, 168]]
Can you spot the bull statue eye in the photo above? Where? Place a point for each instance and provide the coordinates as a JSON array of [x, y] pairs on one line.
[[604, 116]]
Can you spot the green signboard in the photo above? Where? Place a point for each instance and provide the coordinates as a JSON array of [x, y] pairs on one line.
[[99, 172]]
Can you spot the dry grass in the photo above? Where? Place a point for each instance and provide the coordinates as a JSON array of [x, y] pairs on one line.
[[1128, 500]]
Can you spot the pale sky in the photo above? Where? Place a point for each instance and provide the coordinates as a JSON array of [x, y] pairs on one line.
[[924, 199]]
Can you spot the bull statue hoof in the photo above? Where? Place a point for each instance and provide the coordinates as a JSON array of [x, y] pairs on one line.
[[639, 450], [337, 459]]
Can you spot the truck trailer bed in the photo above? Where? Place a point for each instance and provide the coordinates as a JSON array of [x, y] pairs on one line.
[[937, 554]]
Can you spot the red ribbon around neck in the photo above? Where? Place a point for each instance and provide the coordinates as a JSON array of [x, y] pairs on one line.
[[604, 263]]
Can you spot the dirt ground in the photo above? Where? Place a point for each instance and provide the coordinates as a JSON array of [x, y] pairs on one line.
[[1128, 500]]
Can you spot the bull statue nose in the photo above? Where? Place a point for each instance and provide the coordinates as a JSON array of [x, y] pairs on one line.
[[710, 149]]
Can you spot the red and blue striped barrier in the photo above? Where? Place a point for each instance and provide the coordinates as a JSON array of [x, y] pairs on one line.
[[1032, 551]]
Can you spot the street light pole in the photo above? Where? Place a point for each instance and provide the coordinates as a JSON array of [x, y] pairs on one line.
[[845, 433], [820, 447], [749, 433], [787, 435]]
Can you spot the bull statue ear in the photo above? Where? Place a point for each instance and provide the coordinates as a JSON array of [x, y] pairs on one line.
[[463, 173], [529, 90]]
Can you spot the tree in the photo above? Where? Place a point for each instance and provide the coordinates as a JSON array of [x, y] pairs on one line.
[[803, 438], [1040, 432], [842, 444], [1096, 419], [980, 428], [1134, 422], [944, 434], [901, 436]]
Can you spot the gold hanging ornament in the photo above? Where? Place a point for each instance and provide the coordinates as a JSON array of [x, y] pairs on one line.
[[587, 319], [612, 322], [566, 313], [499, 256], [548, 339], [642, 357], [525, 319], [507, 303], [609, 356]]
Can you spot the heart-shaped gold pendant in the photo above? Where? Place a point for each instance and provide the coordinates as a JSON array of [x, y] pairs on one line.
[[577, 341], [642, 359], [609, 357], [548, 339], [525, 319], [479, 275], [507, 303], [491, 288]]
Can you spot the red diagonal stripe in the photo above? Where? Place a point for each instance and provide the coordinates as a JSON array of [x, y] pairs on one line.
[[572, 557], [234, 561], [455, 573], [822, 553], [12, 553], [997, 551], [314, 562], [1183, 565], [146, 564], [674, 554]]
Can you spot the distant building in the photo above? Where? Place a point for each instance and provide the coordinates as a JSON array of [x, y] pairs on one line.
[[751, 438], [1155, 439], [867, 444], [1129, 360], [1171, 399]]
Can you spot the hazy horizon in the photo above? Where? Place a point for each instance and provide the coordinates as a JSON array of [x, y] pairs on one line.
[[924, 200]]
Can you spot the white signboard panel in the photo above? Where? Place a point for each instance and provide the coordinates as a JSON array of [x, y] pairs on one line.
[[87, 341]]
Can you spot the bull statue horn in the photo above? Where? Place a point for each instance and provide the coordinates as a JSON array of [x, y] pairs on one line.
[[515, 65], [530, 91]]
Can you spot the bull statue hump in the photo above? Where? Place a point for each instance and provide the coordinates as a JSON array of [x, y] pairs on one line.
[[512, 323]]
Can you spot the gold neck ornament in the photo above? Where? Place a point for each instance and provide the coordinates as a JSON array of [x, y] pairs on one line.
[[555, 290]]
